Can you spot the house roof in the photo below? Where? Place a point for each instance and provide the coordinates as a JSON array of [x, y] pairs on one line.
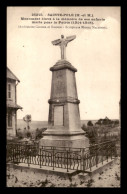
[[13, 105], [11, 75]]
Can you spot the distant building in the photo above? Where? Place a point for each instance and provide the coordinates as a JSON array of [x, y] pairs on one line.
[[11, 103]]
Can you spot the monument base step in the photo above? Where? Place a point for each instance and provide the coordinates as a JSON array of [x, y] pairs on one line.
[[44, 169], [95, 170], [75, 143]]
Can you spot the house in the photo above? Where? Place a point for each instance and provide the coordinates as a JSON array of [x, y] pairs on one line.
[[11, 103]]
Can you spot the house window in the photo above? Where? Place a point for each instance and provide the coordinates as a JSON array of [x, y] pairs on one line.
[[9, 120], [9, 90]]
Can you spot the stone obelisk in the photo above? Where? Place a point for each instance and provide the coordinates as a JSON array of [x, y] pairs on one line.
[[64, 128]]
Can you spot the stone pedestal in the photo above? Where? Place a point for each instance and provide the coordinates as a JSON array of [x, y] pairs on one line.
[[64, 129]]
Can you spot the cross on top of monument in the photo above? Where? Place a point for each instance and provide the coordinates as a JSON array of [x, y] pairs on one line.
[[63, 44]]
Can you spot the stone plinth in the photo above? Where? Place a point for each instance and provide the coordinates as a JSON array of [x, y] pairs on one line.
[[64, 128]]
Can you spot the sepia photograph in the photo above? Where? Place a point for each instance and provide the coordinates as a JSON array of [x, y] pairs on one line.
[[63, 100]]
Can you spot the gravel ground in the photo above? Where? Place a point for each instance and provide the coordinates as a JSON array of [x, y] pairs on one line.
[[110, 177]]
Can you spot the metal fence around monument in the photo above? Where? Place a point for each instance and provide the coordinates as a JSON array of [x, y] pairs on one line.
[[80, 159]]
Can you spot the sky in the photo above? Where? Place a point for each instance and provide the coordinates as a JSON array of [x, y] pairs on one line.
[[95, 53]]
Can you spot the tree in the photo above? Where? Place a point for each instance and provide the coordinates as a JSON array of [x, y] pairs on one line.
[[89, 123], [84, 128], [99, 122], [27, 119], [106, 121], [92, 134], [28, 134], [39, 133], [116, 122]]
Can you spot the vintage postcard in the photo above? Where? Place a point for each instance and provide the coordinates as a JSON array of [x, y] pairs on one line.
[[63, 96]]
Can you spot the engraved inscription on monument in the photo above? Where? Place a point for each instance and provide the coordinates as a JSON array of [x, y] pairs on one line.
[[58, 115], [59, 88]]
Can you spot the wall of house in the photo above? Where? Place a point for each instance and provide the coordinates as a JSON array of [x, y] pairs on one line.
[[13, 83], [11, 131]]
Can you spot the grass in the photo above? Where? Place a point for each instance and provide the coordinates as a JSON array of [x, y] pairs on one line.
[[44, 183], [81, 182], [101, 172], [89, 183], [117, 176], [21, 181], [52, 185], [73, 185], [70, 179]]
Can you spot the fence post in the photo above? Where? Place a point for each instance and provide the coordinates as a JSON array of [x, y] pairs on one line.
[[53, 158], [18, 155], [31, 150], [90, 162], [13, 154], [96, 158], [111, 152], [67, 161], [28, 156], [40, 156], [103, 154], [83, 157], [107, 154], [116, 149], [81, 163]]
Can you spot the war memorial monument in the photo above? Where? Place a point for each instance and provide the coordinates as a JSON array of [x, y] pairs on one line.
[[64, 128]]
